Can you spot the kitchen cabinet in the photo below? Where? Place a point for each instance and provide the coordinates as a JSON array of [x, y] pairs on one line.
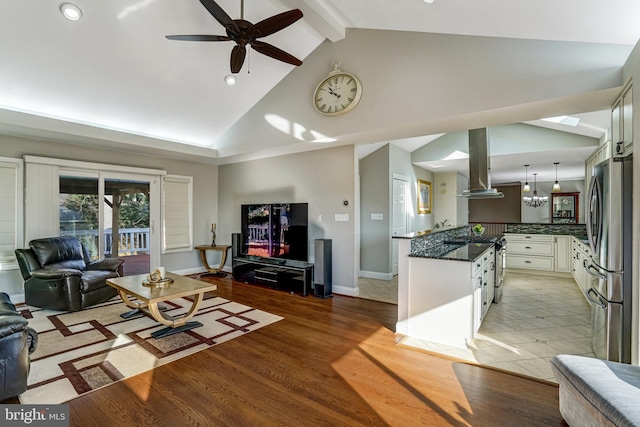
[[542, 252], [622, 124], [447, 299], [581, 254], [531, 251], [562, 254]]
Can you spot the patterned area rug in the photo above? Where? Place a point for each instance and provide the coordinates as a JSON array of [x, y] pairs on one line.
[[84, 351]]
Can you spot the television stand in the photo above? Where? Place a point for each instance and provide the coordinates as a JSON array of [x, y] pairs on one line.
[[276, 273]]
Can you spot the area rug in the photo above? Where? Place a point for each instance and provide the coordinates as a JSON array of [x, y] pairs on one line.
[[90, 349]]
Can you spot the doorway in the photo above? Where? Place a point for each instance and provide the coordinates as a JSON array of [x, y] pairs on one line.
[[399, 215]]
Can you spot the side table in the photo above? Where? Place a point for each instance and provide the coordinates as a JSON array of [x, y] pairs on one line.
[[202, 250]]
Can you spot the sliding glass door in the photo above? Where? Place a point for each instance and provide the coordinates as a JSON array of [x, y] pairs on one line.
[[111, 215]]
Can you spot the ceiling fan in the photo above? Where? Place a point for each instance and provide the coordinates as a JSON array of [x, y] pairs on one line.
[[245, 33]]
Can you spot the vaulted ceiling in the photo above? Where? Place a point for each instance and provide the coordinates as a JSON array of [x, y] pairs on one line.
[[112, 78]]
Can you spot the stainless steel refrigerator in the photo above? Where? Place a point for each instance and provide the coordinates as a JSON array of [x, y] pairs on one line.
[[609, 224]]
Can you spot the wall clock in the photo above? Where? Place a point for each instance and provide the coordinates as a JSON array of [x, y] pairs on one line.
[[337, 94]]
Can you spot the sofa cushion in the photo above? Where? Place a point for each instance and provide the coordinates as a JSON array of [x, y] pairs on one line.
[[611, 389], [53, 250], [94, 279]]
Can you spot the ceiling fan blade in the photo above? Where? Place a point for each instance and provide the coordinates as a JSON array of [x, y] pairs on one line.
[[277, 22], [275, 53], [199, 38], [237, 58], [217, 12]]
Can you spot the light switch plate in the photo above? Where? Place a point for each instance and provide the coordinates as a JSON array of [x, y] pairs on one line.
[[377, 217], [342, 217]]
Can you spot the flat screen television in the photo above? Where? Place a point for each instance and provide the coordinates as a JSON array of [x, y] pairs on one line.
[[275, 230]]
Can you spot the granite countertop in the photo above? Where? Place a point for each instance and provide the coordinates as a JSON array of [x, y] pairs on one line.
[[454, 252]]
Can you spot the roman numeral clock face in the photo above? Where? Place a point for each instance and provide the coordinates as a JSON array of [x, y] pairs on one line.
[[337, 94]]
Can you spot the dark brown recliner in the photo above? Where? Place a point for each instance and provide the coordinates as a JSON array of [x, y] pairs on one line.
[[59, 274], [17, 342]]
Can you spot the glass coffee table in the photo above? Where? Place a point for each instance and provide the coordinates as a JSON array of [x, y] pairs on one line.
[[148, 296]]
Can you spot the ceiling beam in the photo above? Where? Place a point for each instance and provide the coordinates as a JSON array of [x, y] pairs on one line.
[[322, 16]]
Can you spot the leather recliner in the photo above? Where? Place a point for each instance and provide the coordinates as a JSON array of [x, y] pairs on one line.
[[59, 274], [17, 342]]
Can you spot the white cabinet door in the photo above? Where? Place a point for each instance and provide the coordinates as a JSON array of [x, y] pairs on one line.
[[563, 254]]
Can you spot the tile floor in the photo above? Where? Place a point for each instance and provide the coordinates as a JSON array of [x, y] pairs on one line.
[[537, 318]]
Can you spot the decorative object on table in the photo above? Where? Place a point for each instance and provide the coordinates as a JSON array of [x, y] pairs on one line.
[[213, 235], [338, 93], [535, 201], [108, 348], [478, 230], [424, 197], [157, 279]]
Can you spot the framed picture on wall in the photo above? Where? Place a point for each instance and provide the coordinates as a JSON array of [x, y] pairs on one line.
[[424, 197]]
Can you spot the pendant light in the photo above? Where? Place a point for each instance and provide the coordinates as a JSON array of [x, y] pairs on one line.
[[535, 201], [556, 186], [526, 187]]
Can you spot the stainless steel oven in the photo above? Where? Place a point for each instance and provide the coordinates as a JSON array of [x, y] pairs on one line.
[[501, 261]]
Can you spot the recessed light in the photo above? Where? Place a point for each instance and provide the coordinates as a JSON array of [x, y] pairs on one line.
[[70, 11]]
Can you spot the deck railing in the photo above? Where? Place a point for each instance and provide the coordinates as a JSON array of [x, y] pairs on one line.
[[131, 241]]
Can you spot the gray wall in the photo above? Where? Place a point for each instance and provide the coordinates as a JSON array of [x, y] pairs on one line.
[[376, 191], [205, 191], [417, 84], [375, 197], [322, 178], [543, 214]]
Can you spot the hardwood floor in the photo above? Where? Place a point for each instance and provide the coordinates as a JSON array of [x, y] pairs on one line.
[[330, 362]]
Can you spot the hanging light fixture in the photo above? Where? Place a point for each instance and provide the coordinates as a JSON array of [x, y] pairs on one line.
[[526, 187], [535, 201], [556, 186]]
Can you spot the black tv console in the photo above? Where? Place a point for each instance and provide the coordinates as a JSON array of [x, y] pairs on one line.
[[277, 273]]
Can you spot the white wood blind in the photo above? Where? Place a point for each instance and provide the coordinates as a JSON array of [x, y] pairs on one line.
[[177, 213], [11, 190]]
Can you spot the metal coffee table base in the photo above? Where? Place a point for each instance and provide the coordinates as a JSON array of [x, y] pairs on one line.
[[165, 332]]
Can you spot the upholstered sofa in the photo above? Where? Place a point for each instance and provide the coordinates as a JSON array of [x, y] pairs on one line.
[[59, 274], [597, 393], [17, 342]]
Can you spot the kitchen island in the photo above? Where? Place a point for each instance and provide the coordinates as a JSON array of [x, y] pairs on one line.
[[445, 285]]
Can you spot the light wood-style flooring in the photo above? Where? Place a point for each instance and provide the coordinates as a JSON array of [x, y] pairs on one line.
[[332, 362]]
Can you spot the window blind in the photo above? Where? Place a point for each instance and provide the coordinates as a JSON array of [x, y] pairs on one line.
[[10, 211], [177, 213]]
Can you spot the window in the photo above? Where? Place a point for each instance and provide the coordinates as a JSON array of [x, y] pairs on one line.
[[10, 211], [177, 213]]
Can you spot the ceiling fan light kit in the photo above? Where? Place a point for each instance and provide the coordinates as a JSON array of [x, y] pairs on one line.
[[230, 79], [70, 11], [245, 33]]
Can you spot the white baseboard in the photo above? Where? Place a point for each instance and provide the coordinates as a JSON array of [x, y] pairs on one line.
[[376, 275], [17, 299], [343, 290], [402, 327]]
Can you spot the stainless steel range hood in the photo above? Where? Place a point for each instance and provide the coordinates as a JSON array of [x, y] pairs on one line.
[[479, 167]]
